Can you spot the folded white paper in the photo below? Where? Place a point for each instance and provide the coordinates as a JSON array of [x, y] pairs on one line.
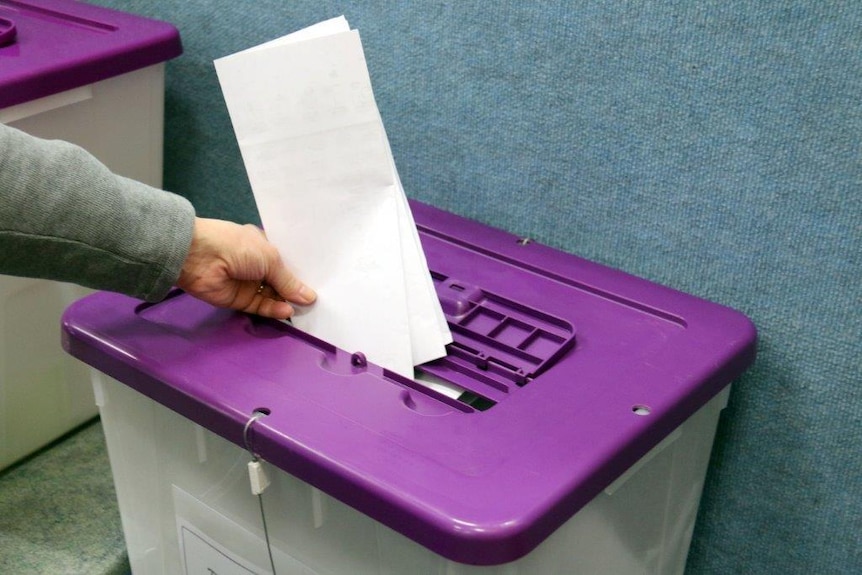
[[329, 196]]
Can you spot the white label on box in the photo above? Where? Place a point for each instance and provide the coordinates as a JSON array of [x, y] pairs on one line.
[[204, 556], [211, 540]]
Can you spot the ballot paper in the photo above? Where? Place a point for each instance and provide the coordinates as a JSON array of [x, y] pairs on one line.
[[329, 196]]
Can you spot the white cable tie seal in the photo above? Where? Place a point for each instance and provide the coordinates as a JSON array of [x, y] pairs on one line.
[[256, 473]]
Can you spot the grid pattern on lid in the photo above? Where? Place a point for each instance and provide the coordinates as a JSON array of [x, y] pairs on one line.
[[499, 345]]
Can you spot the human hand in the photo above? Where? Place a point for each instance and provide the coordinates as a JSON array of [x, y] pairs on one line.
[[234, 266]]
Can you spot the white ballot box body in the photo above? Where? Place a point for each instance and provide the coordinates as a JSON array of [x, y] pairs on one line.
[[118, 117], [187, 506]]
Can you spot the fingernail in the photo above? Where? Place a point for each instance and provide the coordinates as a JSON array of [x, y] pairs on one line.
[[307, 294]]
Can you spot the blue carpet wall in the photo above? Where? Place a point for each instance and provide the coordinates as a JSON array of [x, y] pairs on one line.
[[715, 147]]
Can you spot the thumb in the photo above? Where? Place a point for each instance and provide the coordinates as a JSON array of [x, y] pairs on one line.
[[288, 285]]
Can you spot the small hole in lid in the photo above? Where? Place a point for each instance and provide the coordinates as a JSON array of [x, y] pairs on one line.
[[641, 410]]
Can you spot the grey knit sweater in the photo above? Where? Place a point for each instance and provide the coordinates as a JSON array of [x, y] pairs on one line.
[[65, 216]]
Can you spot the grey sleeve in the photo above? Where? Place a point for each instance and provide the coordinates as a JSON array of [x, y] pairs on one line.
[[65, 216]]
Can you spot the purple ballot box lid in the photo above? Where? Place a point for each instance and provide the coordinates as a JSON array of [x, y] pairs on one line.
[[556, 356], [48, 46]]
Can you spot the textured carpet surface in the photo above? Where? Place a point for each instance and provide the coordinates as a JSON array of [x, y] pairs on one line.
[[58, 511], [713, 146]]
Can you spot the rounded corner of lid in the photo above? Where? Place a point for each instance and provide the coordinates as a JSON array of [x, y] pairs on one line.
[[489, 543]]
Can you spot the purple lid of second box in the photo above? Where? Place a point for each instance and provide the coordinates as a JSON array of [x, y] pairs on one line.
[[557, 356], [50, 46]]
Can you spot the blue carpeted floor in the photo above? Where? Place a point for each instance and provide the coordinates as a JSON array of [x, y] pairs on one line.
[[58, 511]]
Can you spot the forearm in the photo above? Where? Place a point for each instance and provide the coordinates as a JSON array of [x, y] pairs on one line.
[[64, 216]]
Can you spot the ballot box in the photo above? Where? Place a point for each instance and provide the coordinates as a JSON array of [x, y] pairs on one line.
[[567, 430], [94, 77]]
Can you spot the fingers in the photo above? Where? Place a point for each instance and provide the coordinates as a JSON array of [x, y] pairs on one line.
[[236, 267], [265, 301], [291, 289], [261, 299], [285, 284], [273, 308]]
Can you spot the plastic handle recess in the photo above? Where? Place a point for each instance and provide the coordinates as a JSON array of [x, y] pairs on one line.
[[7, 31]]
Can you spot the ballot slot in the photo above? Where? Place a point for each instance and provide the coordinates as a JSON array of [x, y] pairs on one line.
[[194, 320], [499, 345]]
